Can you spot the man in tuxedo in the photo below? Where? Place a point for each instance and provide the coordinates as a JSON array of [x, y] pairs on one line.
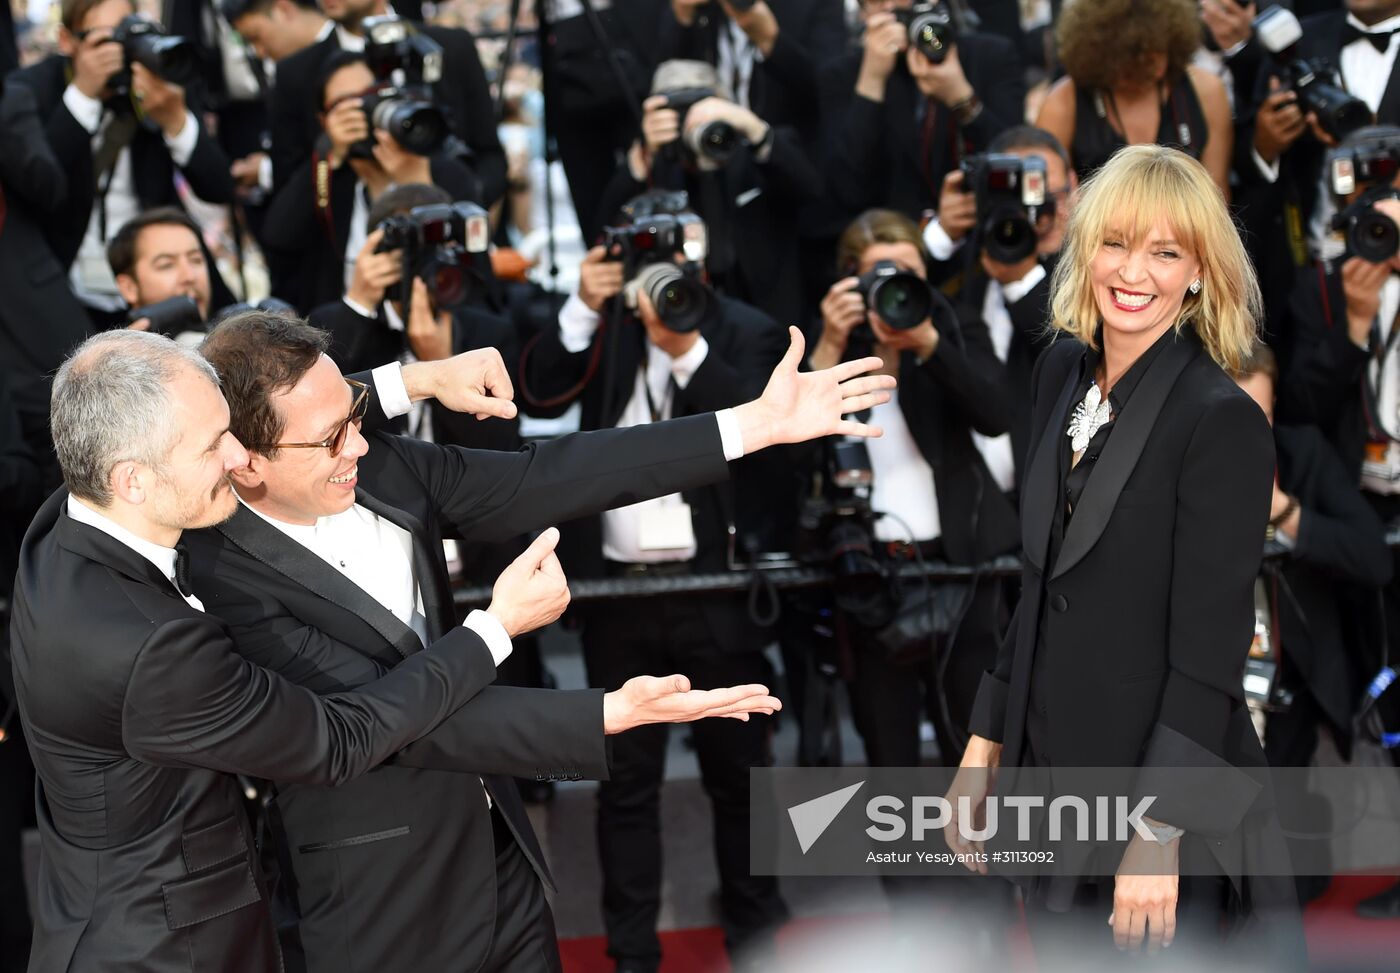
[[157, 256], [119, 151], [332, 569], [277, 29], [896, 123], [462, 92]]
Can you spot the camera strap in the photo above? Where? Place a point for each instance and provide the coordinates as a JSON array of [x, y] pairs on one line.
[[672, 388], [1370, 388], [321, 188]]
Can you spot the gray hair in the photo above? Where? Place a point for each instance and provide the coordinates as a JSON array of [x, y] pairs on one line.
[[111, 404]]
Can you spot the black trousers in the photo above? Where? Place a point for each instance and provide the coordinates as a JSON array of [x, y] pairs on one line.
[[524, 940], [660, 636]]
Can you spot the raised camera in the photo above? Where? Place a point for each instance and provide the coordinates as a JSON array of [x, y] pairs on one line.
[[444, 245], [172, 316], [931, 29], [902, 299], [713, 142], [1337, 112], [146, 43], [405, 64], [1371, 165], [660, 227], [1011, 197]]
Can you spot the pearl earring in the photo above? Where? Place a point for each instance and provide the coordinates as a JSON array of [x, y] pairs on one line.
[[1196, 286]]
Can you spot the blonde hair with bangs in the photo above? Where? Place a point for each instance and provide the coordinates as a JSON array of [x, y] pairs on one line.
[[1140, 186]]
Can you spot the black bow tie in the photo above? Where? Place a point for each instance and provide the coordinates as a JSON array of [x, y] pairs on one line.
[[182, 570], [1379, 40]]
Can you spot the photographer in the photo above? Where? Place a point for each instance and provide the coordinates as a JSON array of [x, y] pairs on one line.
[[120, 132], [462, 92], [316, 223], [897, 122], [747, 180], [158, 256], [620, 352]]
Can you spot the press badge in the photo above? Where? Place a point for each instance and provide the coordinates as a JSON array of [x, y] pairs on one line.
[[666, 527]]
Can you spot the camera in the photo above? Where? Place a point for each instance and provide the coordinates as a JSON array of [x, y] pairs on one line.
[[146, 43], [659, 227], [1337, 112], [169, 317], [931, 30], [714, 142], [445, 245], [405, 64], [902, 299], [1370, 234], [1011, 197], [1371, 164]]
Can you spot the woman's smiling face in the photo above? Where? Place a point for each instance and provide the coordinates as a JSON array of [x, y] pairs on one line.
[[1139, 286]]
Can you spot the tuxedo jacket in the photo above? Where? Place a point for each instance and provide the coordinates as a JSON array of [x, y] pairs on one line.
[[152, 169], [138, 712], [370, 860], [876, 154], [1147, 612], [295, 105]]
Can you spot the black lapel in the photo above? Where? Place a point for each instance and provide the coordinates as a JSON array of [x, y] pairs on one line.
[[425, 561], [1388, 112], [1121, 452], [1041, 490], [96, 545], [265, 543]]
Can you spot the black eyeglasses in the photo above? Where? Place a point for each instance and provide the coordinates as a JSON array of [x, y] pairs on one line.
[[335, 442]]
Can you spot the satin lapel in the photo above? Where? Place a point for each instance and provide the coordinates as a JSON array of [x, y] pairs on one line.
[[1121, 453], [425, 561], [1042, 488], [265, 543], [1388, 112]]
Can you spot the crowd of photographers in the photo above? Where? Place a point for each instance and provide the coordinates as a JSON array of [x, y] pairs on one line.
[[894, 177]]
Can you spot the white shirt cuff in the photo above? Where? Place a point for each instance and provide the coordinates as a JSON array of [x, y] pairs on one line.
[[393, 394], [87, 111], [729, 435], [1018, 289], [1269, 172], [683, 369], [577, 324], [940, 245], [492, 632], [265, 172], [1234, 49], [359, 308], [182, 146]]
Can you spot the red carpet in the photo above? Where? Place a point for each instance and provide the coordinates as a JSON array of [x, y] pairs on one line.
[[1335, 936]]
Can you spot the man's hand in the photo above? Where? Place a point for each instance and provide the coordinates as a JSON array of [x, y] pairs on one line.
[[429, 332], [1361, 283], [758, 22], [163, 102], [660, 125], [946, 82], [1008, 273], [973, 781], [708, 110], [532, 591], [1228, 22], [474, 382], [599, 279], [1144, 895], [1278, 123], [957, 208], [374, 272], [400, 165], [885, 39], [245, 171], [922, 339], [345, 124], [669, 699], [796, 407], [685, 10], [673, 343], [95, 59]]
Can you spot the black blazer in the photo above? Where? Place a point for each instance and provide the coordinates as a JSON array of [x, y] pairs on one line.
[[873, 149], [371, 859], [1148, 610], [152, 170], [463, 92], [138, 713]]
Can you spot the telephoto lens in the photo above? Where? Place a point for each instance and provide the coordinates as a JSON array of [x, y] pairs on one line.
[[1370, 234], [902, 299], [715, 141], [682, 302], [169, 58], [417, 125]]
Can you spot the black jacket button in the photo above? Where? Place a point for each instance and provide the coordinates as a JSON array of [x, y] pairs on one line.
[[1060, 603]]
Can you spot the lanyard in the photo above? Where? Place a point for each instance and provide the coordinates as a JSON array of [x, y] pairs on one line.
[[651, 403]]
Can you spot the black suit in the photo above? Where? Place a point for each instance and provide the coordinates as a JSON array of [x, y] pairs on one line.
[[463, 92], [372, 859], [894, 154], [138, 713]]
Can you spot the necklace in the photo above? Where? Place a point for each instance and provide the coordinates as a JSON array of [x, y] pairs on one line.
[[1089, 417]]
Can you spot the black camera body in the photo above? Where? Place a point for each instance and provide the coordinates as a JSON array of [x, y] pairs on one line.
[[169, 317], [406, 64], [1011, 197], [445, 245], [714, 142], [661, 226], [1337, 112], [1372, 165], [902, 299], [931, 29], [145, 42]]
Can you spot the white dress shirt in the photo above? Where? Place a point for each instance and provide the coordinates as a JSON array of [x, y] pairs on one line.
[[996, 450], [162, 557], [904, 482], [622, 528], [91, 275], [737, 55]]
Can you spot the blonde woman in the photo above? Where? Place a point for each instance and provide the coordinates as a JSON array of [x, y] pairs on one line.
[[1143, 513]]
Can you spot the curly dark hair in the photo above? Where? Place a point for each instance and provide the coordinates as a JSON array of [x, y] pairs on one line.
[[1105, 42]]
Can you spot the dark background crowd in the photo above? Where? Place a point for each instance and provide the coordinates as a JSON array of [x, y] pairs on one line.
[[632, 200]]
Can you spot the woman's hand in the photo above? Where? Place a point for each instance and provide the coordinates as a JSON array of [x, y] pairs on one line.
[[843, 309], [1144, 895], [921, 339], [885, 39], [973, 781]]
